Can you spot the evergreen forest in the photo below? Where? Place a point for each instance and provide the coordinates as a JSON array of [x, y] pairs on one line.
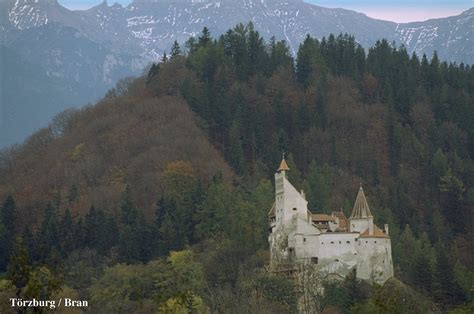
[[155, 199]]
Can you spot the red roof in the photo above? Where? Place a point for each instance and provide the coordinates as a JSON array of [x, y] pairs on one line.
[[377, 233], [283, 166], [343, 222], [322, 217]]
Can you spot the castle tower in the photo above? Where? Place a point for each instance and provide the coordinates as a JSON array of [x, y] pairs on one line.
[[288, 201], [280, 177], [361, 218]]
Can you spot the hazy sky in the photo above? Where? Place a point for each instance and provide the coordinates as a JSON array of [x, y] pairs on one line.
[[395, 10]]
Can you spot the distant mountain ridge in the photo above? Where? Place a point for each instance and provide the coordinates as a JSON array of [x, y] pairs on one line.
[[146, 28], [89, 50]]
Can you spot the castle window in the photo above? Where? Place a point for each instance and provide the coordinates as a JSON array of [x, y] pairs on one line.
[[339, 242], [322, 242], [366, 241], [304, 240], [375, 241], [294, 208], [348, 241], [314, 260], [336, 260], [332, 242]]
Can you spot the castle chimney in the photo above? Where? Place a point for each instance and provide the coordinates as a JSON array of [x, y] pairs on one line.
[[302, 194], [386, 229]]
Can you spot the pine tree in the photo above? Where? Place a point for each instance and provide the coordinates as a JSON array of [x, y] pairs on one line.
[[154, 70], [5, 245], [175, 51], [215, 213], [405, 247], [452, 199], [279, 55], [7, 230], [422, 264], [8, 214], [168, 233], [99, 230], [49, 238], [294, 175], [191, 45], [19, 268], [305, 60], [66, 230], [129, 244], [235, 150], [205, 37], [320, 183], [132, 230], [440, 164], [128, 209], [445, 287], [73, 194], [262, 201], [164, 58], [29, 241]]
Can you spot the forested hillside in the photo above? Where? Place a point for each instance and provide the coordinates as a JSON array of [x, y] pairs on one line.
[[157, 196]]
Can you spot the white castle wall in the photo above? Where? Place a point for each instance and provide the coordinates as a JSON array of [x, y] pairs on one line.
[[374, 262], [335, 252], [361, 224], [340, 246], [288, 200]]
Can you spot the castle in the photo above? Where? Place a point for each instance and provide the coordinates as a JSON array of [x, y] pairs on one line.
[[336, 245]]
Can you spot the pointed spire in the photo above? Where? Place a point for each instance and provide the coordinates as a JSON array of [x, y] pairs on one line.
[[283, 165], [361, 207]]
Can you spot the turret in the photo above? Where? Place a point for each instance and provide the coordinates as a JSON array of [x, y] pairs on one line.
[[280, 177], [283, 167], [361, 218], [288, 201]]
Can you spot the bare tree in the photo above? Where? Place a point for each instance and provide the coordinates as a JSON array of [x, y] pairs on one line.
[[310, 282], [62, 122], [7, 157]]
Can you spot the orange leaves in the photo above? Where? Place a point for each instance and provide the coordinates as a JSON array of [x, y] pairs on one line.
[[77, 151], [181, 168]]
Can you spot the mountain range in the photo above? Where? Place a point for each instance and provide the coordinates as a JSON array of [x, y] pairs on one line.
[[78, 55]]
